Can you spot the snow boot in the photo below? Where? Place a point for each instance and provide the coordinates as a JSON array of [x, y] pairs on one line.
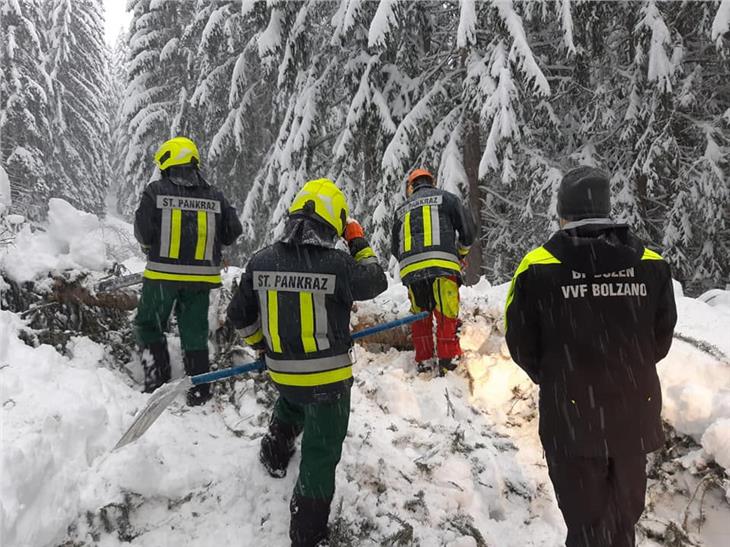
[[196, 362], [446, 365], [309, 518], [156, 365], [423, 367], [277, 447]]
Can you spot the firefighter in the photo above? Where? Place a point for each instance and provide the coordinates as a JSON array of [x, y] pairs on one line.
[[181, 224], [588, 315], [431, 237], [294, 302]]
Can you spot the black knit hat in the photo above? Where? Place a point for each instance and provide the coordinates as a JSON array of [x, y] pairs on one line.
[[584, 193]]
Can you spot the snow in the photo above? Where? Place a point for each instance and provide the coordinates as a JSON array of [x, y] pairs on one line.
[[660, 68], [721, 23], [466, 33], [72, 241], [383, 20], [5, 199], [452, 461]]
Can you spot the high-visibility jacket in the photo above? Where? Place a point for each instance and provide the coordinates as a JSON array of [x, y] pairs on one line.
[[297, 298], [431, 233], [183, 228], [588, 316]]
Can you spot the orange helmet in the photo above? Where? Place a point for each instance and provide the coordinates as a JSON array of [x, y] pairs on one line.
[[418, 173]]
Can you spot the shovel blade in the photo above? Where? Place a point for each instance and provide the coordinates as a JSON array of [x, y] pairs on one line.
[[157, 404]]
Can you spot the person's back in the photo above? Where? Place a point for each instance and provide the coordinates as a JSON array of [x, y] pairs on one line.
[[588, 316], [184, 222], [432, 233], [294, 302], [305, 294], [181, 224], [605, 322]]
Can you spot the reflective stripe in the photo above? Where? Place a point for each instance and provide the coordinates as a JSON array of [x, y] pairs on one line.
[[427, 235], [537, 256], [310, 380], [369, 260], [407, 232], [650, 255], [367, 252], [252, 328], [255, 338], [272, 298], [149, 274], [320, 318], [166, 220], [202, 233], [210, 239], [183, 268], [308, 366], [435, 225], [263, 306], [588, 222], [306, 314], [175, 229], [443, 255], [432, 263]]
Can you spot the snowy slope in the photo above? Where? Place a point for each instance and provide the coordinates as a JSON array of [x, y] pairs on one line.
[[449, 461]]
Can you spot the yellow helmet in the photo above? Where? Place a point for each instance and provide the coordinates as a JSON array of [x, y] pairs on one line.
[[177, 151], [321, 199]]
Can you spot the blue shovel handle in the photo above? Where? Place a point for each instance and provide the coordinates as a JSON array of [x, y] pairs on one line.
[[259, 366]]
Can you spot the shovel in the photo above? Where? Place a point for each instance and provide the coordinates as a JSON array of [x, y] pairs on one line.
[[165, 394]]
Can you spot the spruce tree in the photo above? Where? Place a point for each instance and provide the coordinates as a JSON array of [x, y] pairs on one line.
[[25, 96], [78, 68]]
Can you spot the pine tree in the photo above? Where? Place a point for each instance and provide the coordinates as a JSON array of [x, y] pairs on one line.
[[157, 88], [78, 68], [498, 99], [25, 134], [114, 112]]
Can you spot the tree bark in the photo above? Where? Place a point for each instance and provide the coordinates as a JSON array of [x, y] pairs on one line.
[[472, 155]]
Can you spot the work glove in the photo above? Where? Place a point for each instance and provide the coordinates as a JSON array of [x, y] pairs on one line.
[[353, 230]]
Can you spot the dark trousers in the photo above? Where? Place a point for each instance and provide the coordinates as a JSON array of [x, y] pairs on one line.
[[324, 427], [155, 306], [601, 498]]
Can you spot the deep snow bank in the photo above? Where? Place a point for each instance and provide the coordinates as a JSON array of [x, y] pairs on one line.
[[450, 461], [69, 240]]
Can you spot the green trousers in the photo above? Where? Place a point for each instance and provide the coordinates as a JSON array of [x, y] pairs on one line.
[[324, 430], [154, 309]]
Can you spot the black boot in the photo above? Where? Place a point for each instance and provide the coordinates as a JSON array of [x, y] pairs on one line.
[[445, 365], [423, 367], [277, 447], [309, 518], [196, 362], [156, 365]]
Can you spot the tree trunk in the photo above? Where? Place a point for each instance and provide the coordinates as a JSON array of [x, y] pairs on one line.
[[472, 154]]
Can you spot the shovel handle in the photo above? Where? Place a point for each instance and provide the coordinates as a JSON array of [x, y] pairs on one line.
[[259, 366]]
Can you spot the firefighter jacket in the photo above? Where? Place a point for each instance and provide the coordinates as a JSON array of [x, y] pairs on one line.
[[424, 237], [588, 316], [183, 228], [297, 297]]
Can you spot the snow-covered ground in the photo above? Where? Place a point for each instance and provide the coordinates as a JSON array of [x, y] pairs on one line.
[[450, 461]]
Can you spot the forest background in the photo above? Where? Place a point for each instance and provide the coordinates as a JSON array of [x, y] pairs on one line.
[[498, 98]]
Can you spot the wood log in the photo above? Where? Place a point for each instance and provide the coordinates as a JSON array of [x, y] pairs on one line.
[[65, 292], [398, 338]]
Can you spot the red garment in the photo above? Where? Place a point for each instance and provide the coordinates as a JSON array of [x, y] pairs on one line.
[[441, 296]]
